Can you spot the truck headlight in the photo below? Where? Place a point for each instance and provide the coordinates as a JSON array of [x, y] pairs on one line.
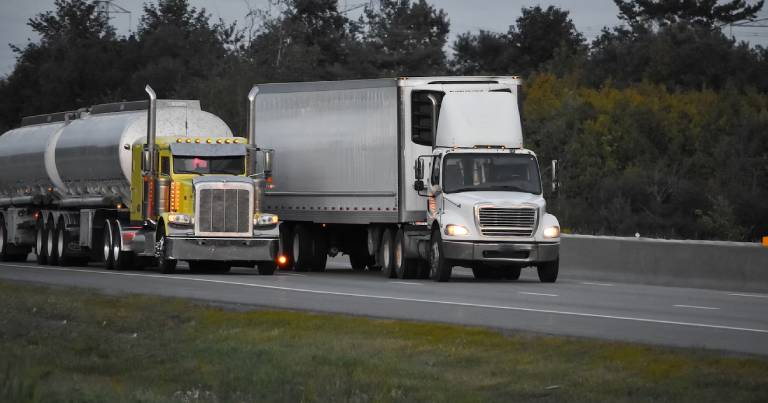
[[181, 219], [552, 232], [265, 219], [456, 230]]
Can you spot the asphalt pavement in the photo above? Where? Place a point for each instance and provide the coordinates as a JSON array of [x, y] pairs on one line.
[[687, 317]]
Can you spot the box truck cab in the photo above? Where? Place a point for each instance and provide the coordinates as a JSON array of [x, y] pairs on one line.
[[411, 176]]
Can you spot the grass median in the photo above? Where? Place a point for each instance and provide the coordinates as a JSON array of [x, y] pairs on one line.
[[76, 345]]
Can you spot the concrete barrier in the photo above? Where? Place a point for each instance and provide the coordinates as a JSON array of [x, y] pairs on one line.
[[733, 266]]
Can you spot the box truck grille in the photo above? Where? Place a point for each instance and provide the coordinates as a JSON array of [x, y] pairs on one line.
[[496, 221], [223, 212]]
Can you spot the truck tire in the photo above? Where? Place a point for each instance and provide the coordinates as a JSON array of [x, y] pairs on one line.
[[266, 268], [41, 257], [108, 250], [166, 266], [548, 271], [123, 259], [440, 267], [51, 242], [387, 253], [404, 268], [373, 240], [62, 240], [302, 252]]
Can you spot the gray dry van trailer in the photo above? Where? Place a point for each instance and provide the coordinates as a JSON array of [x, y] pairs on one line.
[[349, 176]]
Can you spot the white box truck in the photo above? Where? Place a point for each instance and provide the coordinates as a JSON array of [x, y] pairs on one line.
[[410, 176]]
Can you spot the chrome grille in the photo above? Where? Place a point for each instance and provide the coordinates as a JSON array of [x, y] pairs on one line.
[[496, 221], [223, 211]]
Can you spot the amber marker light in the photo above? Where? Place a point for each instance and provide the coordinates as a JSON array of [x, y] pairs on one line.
[[282, 260], [765, 241]]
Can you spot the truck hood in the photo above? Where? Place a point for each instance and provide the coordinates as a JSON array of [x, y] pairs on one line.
[[497, 198]]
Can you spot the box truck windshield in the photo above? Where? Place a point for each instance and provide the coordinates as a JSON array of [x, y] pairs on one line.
[[229, 165], [491, 172]]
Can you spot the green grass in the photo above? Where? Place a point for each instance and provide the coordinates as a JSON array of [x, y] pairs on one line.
[[67, 345]]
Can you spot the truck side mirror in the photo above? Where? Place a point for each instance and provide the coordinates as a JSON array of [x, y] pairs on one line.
[[419, 169], [555, 180]]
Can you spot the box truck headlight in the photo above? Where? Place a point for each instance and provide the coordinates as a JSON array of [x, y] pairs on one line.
[[456, 230], [552, 232], [265, 219], [180, 219]]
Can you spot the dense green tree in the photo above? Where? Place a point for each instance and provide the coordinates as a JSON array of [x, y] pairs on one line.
[[700, 12]]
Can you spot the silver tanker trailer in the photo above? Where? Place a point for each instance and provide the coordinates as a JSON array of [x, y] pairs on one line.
[[134, 184]]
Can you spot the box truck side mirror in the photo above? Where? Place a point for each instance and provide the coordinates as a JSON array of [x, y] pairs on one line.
[[555, 180]]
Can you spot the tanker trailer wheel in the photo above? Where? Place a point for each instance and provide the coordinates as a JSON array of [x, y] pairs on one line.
[[123, 259], [387, 253], [51, 241], [548, 271], [302, 248], [439, 266], [62, 240], [404, 267], [167, 266], [41, 257], [108, 251]]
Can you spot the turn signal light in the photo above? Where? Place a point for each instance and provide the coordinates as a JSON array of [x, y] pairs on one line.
[[175, 196], [765, 241], [282, 260]]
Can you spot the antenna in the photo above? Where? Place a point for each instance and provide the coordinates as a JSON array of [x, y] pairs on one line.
[[106, 8]]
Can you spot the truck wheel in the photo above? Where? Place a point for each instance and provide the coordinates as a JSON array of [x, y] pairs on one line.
[[302, 248], [266, 268], [40, 242], [62, 240], [548, 271], [123, 259], [108, 248], [51, 242], [404, 268], [387, 253], [373, 240], [166, 266], [440, 267]]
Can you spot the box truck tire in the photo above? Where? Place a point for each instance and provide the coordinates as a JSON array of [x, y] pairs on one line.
[[440, 267], [548, 271], [404, 268]]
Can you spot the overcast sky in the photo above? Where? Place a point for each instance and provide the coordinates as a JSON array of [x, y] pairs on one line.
[[590, 16]]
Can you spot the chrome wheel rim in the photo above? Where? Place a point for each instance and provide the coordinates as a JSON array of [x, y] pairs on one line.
[[385, 258], [116, 247], [39, 241], [107, 240], [295, 248], [51, 236], [398, 256], [60, 243]]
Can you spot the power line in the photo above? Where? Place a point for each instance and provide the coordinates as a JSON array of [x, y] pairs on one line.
[[106, 8]]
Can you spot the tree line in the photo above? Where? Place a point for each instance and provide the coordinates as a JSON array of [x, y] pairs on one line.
[[660, 123]]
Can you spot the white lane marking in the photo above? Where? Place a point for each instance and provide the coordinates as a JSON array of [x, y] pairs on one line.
[[600, 284], [696, 307], [382, 297], [405, 282], [293, 274], [735, 294], [538, 293]]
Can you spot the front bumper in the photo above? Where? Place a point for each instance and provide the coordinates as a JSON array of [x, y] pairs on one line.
[[501, 252], [221, 249]]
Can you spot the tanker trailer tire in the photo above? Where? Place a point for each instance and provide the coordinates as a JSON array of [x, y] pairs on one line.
[[40, 240], [166, 266], [548, 271], [440, 267], [123, 259], [387, 253], [108, 251], [302, 248], [404, 268], [266, 268], [50, 242], [62, 240]]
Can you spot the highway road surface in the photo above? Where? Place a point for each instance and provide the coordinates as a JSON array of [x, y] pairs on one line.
[[722, 320]]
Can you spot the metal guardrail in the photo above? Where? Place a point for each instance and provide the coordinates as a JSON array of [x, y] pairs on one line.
[[736, 266]]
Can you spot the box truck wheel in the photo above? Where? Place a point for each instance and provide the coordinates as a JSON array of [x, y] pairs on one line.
[[548, 271], [302, 248], [440, 267], [53, 254], [387, 253], [404, 267], [108, 252], [40, 241]]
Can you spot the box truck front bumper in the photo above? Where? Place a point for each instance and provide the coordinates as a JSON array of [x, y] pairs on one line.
[[222, 249], [501, 252]]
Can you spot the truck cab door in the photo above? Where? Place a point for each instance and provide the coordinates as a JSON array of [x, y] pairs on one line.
[[435, 200]]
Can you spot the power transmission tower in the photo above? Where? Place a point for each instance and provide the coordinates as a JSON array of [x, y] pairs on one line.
[[106, 8]]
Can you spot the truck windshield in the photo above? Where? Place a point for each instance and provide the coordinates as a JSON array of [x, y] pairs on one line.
[[491, 172], [229, 165]]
